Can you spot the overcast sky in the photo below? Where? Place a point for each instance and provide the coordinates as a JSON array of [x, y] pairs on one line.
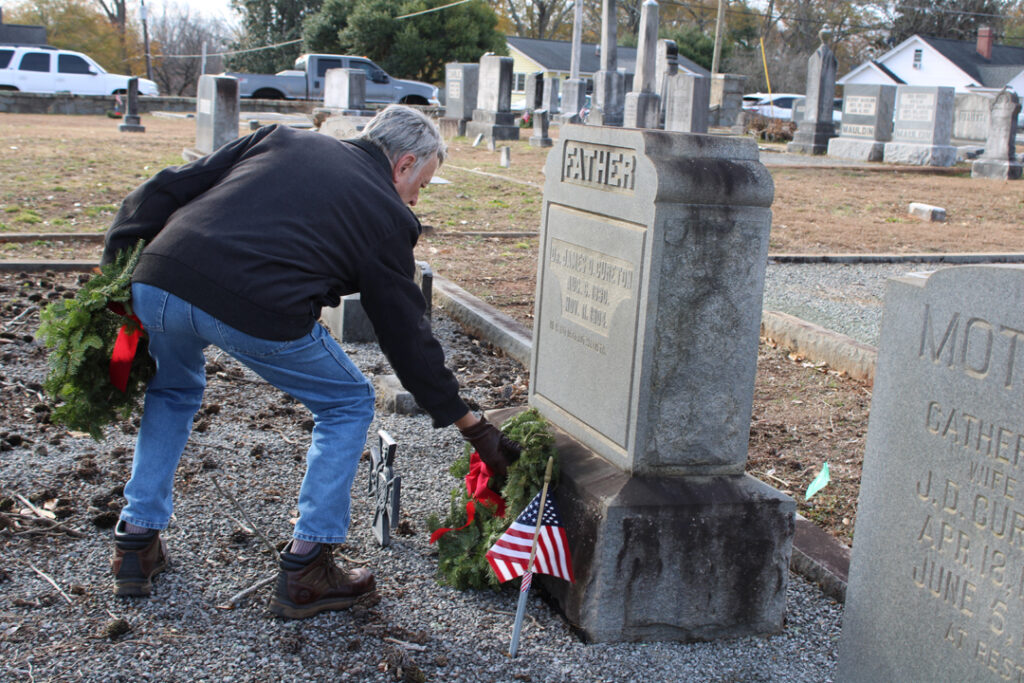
[[212, 8]]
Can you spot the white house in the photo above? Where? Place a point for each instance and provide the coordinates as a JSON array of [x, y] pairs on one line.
[[962, 64]]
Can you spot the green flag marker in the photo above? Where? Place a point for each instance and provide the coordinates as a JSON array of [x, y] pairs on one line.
[[820, 482]]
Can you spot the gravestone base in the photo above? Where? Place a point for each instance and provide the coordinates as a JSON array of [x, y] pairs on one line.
[[541, 141], [662, 557], [643, 110], [919, 155], [348, 321], [996, 169], [493, 125], [812, 137], [859, 150], [132, 124], [451, 128]]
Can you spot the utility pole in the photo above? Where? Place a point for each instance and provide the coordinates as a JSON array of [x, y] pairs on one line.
[[719, 25], [145, 41]]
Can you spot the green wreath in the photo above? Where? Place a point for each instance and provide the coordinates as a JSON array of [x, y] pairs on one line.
[[461, 552], [80, 334]]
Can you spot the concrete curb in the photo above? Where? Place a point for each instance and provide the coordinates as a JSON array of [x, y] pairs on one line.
[[840, 352], [960, 258]]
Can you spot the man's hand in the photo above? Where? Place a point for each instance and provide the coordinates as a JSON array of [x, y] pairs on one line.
[[495, 449]]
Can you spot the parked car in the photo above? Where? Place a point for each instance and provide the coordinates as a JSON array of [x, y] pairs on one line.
[[306, 82], [774, 106], [51, 70]]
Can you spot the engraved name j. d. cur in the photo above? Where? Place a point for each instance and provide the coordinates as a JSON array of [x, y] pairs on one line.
[[599, 166], [592, 284]]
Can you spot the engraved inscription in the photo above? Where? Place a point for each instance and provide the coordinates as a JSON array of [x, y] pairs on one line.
[[600, 166], [860, 104], [455, 89], [971, 115], [857, 130], [593, 285], [916, 106], [972, 345], [904, 133]]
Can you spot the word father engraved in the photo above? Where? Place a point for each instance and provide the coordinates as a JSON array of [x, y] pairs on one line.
[[599, 166]]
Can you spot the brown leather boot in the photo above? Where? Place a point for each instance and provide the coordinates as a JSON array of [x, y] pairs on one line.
[[310, 584], [137, 559]]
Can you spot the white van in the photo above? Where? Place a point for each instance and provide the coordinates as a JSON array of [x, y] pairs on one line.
[[50, 70]]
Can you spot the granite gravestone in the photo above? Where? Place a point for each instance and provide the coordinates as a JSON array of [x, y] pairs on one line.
[[460, 96], [550, 99], [970, 117], [345, 92], [936, 577], [799, 109], [131, 121], [534, 93], [493, 116], [817, 127], [608, 101], [643, 105], [922, 124], [867, 123], [217, 111], [686, 109], [726, 99], [540, 137], [644, 352], [999, 160]]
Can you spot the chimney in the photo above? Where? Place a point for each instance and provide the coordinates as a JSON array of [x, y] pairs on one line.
[[985, 42]]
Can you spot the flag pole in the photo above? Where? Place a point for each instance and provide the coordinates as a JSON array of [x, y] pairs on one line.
[[524, 589]]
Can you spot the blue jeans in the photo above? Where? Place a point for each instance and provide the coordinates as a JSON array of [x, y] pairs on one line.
[[313, 369]]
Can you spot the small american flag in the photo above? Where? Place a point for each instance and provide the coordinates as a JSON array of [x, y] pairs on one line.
[[511, 553]]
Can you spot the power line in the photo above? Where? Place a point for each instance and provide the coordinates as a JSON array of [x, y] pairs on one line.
[[435, 9], [232, 52]]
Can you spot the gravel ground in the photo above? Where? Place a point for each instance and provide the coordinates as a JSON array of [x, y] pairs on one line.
[[842, 297], [251, 439]]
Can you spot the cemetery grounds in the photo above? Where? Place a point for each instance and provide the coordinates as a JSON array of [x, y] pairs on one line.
[[68, 174]]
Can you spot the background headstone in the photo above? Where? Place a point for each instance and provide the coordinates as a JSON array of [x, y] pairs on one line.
[[922, 124], [970, 117], [608, 100], [866, 124], [345, 91], [540, 136], [687, 105], [999, 160], [460, 97], [217, 111], [550, 100], [642, 107], [534, 94], [131, 121], [937, 568], [817, 127], [667, 66], [644, 353], [726, 99], [799, 109], [493, 116]]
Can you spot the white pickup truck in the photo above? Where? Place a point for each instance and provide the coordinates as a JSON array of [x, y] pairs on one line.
[[50, 70], [306, 82]]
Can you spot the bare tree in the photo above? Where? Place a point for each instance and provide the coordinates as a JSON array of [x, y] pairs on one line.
[[539, 18], [178, 37], [116, 12]]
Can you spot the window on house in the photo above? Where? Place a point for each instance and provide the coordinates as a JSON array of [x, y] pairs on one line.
[[918, 54], [519, 82]]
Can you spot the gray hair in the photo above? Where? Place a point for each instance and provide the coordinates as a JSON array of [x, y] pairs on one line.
[[400, 130]]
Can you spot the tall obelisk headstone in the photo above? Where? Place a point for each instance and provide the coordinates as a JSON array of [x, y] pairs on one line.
[[574, 94], [493, 116], [644, 354], [1000, 157], [609, 90], [817, 128], [936, 577], [643, 105]]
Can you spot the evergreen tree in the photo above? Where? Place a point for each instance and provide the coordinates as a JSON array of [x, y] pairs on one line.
[[268, 22]]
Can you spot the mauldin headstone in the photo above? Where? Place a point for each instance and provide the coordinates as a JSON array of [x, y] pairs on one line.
[[493, 116], [999, 161], [644, 353], [936, 577], [217, 111], [922, 125], [460, 87], [817, 128], [866, 124]]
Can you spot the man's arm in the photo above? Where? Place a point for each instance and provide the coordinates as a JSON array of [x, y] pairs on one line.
[[146, 209]]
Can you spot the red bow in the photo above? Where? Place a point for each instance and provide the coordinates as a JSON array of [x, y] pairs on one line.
[[476, 487], [125, 346]]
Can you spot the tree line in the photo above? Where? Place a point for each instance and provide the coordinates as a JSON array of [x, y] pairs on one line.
[[410, 40]]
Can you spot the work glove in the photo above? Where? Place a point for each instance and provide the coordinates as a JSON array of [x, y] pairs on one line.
[[495, 449]]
